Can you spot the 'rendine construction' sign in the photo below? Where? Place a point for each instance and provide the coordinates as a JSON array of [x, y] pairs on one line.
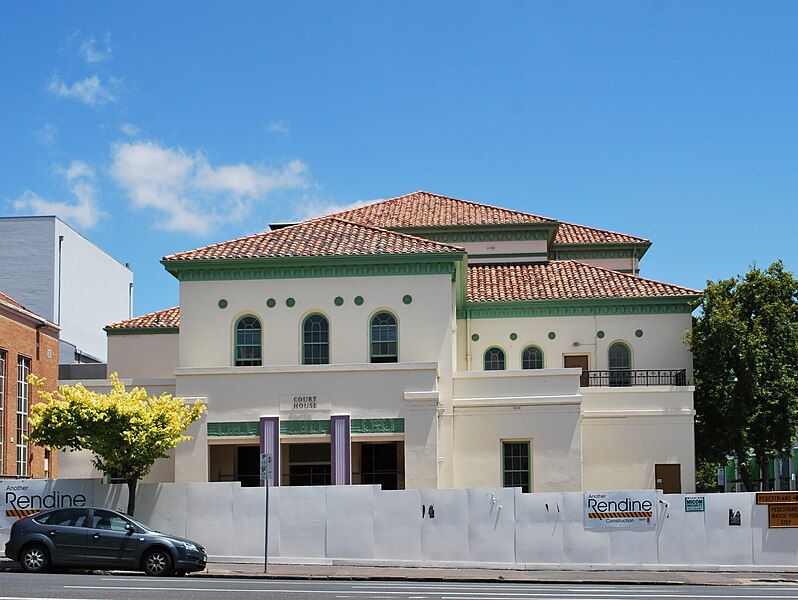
[[612, 511], [24, 497]]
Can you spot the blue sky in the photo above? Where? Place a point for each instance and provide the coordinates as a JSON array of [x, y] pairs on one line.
[[158, 127]]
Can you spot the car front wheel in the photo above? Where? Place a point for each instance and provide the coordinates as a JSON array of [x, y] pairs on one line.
[[158, 563], [35, 558]]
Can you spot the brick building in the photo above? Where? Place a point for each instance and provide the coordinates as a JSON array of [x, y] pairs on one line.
[[28, 344]]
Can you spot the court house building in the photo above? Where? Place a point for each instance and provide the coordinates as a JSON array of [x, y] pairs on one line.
[[422, 342]]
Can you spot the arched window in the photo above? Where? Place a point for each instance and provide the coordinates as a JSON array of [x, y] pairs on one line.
[[494, 359], [315, 340], [532, 358], [248, 351], [384, 338], [619, 358]]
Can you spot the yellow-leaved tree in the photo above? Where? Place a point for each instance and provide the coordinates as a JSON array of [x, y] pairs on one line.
[[126, 430]]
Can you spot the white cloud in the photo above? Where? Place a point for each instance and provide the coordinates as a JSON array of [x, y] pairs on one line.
[[129, 129], [83, 212], [279, 126], [90, 91], [96, 52], [46, 134], [188, 193]]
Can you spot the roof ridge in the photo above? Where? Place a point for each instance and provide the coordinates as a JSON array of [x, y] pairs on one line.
[[475, 203], [602, 230], [634, 277], [392, 232]]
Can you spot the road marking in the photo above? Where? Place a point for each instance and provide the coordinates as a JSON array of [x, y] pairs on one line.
[[460, 596]]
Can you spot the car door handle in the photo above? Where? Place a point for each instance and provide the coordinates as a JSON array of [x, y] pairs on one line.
[[53, 532], [96, 536]]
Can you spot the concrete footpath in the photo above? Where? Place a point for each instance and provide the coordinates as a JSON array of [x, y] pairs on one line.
[[352, 573]]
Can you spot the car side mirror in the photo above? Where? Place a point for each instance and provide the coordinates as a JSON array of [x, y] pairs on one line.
[[129, 528]]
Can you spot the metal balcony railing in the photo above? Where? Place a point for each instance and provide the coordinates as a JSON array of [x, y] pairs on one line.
[[631, 377]]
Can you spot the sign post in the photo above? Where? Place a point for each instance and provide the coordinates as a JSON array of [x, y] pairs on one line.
[[266, 470]]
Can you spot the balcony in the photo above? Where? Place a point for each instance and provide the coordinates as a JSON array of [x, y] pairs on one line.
[[633, 377]]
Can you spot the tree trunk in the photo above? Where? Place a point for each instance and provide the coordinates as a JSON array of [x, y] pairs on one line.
[[131, 495], [763, 473], [745, 475]]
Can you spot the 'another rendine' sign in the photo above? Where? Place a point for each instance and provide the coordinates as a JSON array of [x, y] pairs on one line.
[[611, 511]]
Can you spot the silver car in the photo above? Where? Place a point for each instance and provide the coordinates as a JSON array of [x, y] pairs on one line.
[[98, 538]]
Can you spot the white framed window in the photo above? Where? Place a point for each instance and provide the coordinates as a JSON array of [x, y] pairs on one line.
[[248, 342], [23, 405], [532, 358]]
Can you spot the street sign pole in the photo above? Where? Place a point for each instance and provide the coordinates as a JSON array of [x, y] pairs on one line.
[[265, 475]]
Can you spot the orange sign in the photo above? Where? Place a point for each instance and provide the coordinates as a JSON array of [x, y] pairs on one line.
[[777, 497], [782, 515]]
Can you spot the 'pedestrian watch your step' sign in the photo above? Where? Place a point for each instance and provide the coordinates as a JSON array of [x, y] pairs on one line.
[[782, 508]]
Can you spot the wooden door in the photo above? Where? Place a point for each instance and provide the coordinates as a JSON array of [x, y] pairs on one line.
[[668, 478], [581, 361]]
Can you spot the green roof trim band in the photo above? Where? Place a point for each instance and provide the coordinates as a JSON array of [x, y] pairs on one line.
[[140, 330], [583, 307], [422, 263]]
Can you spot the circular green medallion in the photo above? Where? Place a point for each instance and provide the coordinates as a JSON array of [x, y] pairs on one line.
[[639, 333], [338, 301], [475, 337], [552, 335], [600, 334], [513, 336], [271, 302], [407, 298], [222, 303], [290, 302], [359, 300]]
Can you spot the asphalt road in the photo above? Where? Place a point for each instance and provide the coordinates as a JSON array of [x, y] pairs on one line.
[[21, 586]]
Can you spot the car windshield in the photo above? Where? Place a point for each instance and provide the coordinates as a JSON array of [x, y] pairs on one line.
[[140, 524]]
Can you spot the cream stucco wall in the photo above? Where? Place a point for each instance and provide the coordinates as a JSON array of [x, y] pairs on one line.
[[626, 431], [662, 345], [542, 407], [143, 356], [425, 325]]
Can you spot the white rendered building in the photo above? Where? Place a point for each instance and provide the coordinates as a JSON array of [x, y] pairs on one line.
[[422, 342], [59, 274]]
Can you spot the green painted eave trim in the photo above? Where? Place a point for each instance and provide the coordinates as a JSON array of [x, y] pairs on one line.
[[579, 308], [306, 427], [613, 250], [425, 263], [141, 330], [475, 233], [234, 429]]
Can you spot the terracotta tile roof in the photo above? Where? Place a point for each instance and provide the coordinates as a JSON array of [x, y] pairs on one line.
[[327, 236], [425, 209], [160, 319], [560, 280], [570, 233]]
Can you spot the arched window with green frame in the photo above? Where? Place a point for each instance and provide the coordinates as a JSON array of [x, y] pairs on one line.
[[248, 342], [384, 338], [532, 358], [315, 340], [619, 360], [494, 359]]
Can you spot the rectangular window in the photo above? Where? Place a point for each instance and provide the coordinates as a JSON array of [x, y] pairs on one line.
[[23, 401], [517, 465], [2, 405]]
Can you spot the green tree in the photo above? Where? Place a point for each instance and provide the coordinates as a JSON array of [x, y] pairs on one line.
[[126, 430], [745, 350]]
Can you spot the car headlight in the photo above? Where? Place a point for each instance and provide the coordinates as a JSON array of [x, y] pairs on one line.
[[189, 547]]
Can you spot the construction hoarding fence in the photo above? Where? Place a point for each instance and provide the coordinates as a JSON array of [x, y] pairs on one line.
[[469, 528]]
